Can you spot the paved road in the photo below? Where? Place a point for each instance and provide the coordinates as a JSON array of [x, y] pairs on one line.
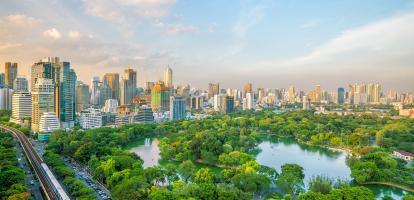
[[50, 189]]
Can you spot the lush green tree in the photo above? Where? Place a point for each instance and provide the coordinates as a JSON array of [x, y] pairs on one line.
[[291, 179], [320, 184], [187, 170], [204, 175]]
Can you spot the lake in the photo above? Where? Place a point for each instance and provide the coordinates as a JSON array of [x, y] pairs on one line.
[[274, 152]]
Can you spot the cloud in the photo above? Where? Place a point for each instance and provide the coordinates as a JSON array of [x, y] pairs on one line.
[[5, 46], [53, 33], [119, 11], [22, 20], [74, 35]]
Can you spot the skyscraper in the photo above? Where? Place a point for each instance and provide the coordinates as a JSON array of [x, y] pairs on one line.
[[248, 88], [377, 93], [82, 97], [21, 106], [42, 100], [95, 91], [168, 77], [112, 81], [160, 97], [218, 102], [20, 84], [248, 102], [177, 108], [2, 77], [10, 73], [229, 107], [213, 89], [64, 81], [128, 86], [341, 95], [306, 103]]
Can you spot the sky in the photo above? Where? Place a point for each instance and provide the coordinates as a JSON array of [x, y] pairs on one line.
[[271, 43]]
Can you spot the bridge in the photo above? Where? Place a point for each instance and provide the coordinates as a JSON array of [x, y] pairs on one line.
[[51, 187]]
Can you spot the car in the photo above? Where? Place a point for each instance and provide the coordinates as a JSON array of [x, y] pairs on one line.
[[32, 182]]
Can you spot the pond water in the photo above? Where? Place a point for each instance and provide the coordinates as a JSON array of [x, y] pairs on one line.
[[274, 152]]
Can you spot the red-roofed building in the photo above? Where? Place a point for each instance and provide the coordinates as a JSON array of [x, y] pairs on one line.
[[404, 155]]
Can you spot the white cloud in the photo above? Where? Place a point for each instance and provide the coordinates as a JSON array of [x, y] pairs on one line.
[[22, 20], [180, 28], [53, 33], [74, 35]]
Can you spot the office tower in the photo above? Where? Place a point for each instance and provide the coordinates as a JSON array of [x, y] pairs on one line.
[[177, 108], [168, 77], [48, 123], [229, 104], [112, 81], [148, 87], [341, 95], [213, 89], [248, 102], [20, 84], [21, 106], [351, 94], [248, 88], [64, 81], [6, 98], [377, 93], [42, 100], [128, 86], [306, 103], [90, 118], [110, 106], [95, 91], [10, 73], [160, 98], [82, 96], [144, 115]]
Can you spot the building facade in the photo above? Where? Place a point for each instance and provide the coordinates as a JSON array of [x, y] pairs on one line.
[[20, 84], [90, 118], [10, 73], [160, 98], [112, 81], [42, 101], [48, 123], [21, 107]]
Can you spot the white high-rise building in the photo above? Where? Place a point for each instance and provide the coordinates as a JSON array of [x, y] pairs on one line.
[[168, 77], [110, 106], [248, 102], [6, 98], [48, 123], [42, 101], [90, 118], [306, 103], [21, 107], [217, 102]]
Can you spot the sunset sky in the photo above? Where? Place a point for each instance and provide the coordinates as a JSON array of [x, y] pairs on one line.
[[270, 43]]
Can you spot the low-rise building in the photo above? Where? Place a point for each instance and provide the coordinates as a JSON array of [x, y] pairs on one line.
[[48, 123], [90, 118], [407, 156]]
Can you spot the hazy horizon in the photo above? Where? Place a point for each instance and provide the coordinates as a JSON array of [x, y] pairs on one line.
[[270, 43]]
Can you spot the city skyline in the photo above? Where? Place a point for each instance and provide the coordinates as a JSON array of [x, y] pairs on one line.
[[271, 44]]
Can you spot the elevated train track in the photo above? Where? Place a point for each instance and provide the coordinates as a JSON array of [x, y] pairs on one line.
[[51, 187]]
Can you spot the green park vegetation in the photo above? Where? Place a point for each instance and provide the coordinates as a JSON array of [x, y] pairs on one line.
[[227, 142], [12, 177]]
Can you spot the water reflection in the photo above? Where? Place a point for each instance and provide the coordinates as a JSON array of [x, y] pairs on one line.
[[149, 152]]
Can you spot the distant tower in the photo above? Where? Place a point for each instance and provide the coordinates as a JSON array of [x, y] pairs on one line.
[[306, 103], [112, 81], [341, 95], [177, 108], [42, 100], [168, 77], [10, 72], [20, 84]]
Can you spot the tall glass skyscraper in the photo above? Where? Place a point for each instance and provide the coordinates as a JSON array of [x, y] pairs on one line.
[[64, 81], [341, 95], [10, 73]]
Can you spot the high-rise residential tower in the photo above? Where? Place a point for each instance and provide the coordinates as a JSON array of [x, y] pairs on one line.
[[160, 98], [10, 73], [128, 86], [168, 77], [42, 100], [177, 108]]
